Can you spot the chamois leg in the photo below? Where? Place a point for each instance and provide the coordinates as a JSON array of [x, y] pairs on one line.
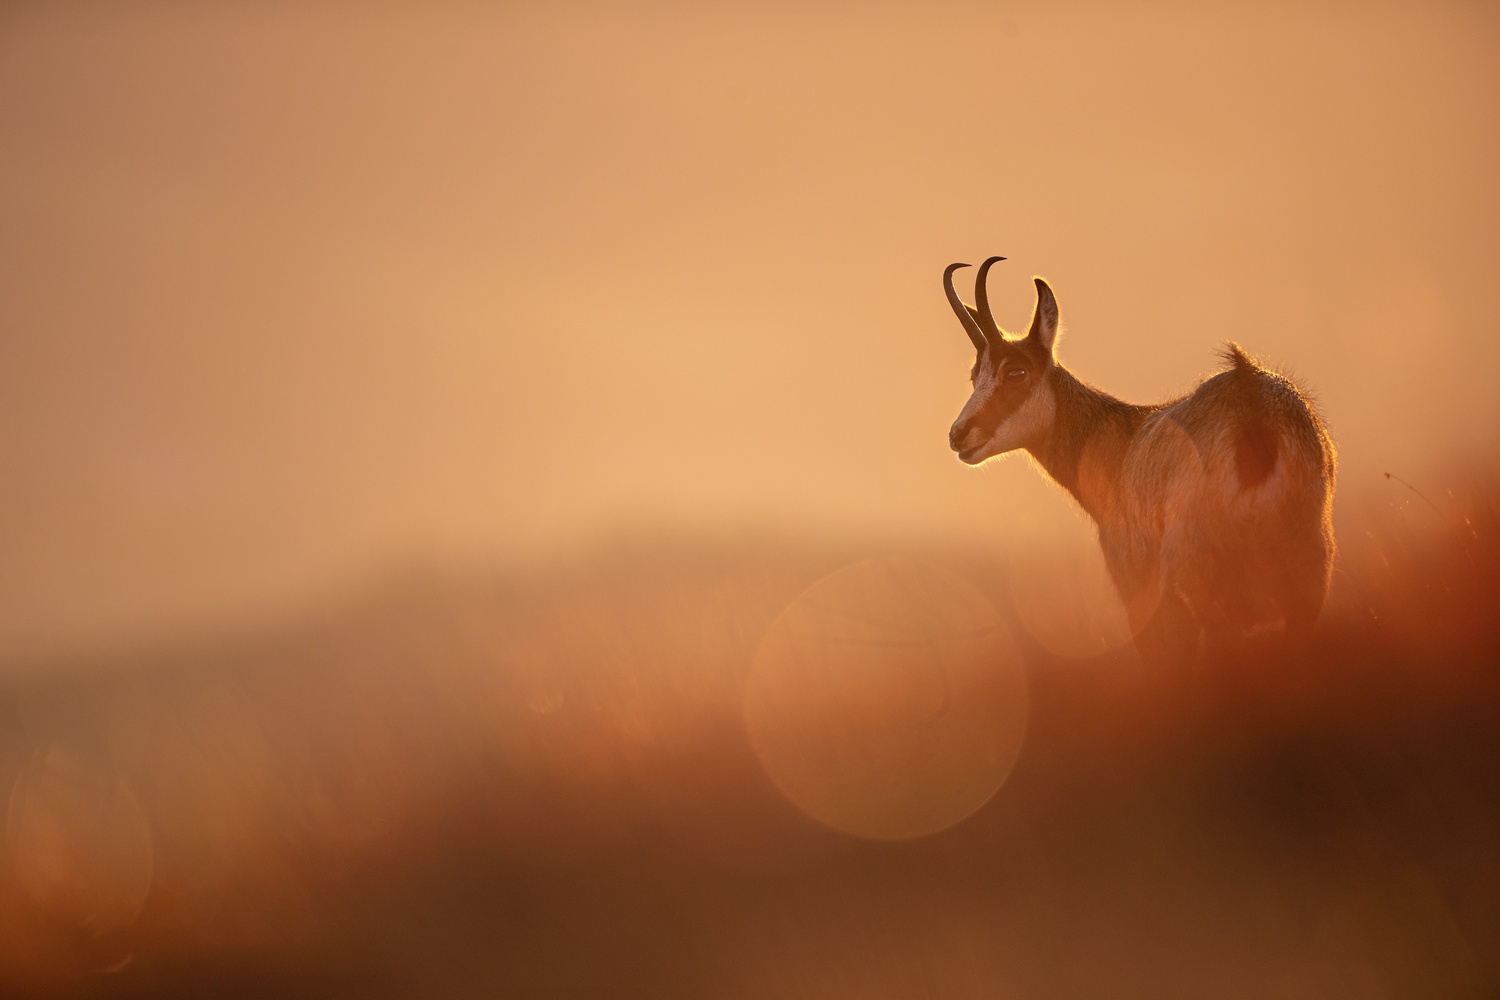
[[1224, 631], [1302, 586], [1301, 602], [1223, 642], [1169, 637]]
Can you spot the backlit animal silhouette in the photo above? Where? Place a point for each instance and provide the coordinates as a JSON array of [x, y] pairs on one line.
[[1213, 510]]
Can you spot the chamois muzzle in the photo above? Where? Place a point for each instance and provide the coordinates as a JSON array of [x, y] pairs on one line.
[[956, 435]]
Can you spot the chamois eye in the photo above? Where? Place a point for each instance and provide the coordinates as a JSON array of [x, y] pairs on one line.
[[1014, 374]]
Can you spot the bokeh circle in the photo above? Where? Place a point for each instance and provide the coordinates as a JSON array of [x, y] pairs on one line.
[[887, 700], [79, 841]]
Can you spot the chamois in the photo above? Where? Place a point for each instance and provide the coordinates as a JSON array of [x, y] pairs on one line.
[[1213, 510]]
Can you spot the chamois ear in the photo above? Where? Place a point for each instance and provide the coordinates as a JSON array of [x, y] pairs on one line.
[[1044, 321]]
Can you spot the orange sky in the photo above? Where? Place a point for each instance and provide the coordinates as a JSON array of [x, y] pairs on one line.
[[292, 294]]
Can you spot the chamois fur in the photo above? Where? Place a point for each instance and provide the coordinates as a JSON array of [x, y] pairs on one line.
[[1213, 510]]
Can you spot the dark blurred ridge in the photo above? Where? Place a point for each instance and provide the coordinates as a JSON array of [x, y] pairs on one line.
[[539, 785]]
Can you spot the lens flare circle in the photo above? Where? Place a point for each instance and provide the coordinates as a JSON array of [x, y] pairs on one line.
[[887, 700], [79, 841]]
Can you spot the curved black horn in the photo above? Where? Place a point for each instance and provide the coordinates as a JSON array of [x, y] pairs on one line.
[[971, 325], [982, 302]]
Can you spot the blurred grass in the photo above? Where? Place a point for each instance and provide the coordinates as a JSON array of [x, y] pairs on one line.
[[537, 783]]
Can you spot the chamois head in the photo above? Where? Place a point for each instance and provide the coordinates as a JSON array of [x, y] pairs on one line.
[[1013, 404]]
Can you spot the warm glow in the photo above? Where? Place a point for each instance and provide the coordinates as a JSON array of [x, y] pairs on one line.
[[477, 515]]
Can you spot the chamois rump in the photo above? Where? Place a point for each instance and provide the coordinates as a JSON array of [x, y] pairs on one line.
[[1213, 510]]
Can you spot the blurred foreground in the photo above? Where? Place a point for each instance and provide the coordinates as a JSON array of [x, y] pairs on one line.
[[658, 771]]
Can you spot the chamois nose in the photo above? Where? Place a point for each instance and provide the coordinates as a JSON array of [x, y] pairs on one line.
[[956, 435]]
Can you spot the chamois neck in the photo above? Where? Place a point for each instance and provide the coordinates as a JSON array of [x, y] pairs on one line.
[[1086, 446]]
